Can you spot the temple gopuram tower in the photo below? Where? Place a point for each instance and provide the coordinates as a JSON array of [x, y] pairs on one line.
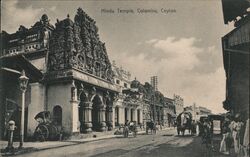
[[79, 81]]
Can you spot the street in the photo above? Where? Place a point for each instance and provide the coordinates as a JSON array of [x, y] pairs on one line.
[[164, 143]]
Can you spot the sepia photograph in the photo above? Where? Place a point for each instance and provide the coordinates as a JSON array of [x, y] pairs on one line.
[[124, 78]]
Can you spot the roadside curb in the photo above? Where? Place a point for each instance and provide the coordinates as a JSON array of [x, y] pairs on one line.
[[67, 143]]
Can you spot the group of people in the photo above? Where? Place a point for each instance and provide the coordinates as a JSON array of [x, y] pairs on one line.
[[235, 134], [206, 133]]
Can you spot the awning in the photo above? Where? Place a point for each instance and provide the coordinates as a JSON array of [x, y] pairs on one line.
[[19, 63]]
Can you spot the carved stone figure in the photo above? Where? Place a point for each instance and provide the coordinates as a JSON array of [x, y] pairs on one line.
[[76, 44]]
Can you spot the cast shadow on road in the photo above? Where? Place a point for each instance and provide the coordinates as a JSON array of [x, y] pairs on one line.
[[177, 147], [185, 136]]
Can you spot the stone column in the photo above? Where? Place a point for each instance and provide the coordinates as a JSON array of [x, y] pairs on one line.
[[113, 117], [75, 116], [121, 115], [135, 115], [74, 103], [128, 114], [101, 118], [87, 117], [141, 116], [109, 119]]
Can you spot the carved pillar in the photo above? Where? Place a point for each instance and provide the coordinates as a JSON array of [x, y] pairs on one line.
[[122, 119], [74, 104], [109, 119], [87, 117], [101, 118]]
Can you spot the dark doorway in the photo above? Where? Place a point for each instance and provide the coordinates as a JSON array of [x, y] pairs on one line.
[[83, 99], [126, 114], [138, 116], [132, 114], [95, 113], [57, 115], [116, 116]]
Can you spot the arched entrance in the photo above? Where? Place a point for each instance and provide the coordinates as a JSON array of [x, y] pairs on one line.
[[97, 102], [57, 115]]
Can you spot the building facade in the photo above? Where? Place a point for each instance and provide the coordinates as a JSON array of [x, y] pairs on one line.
[[169, 112], [128, 104], [70, 75], [198, 111], [236, 54]]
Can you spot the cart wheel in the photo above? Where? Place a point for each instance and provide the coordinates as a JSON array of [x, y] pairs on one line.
[[42, 132]]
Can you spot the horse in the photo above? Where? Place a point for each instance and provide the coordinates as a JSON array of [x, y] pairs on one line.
[[152, 126], [184, 121]]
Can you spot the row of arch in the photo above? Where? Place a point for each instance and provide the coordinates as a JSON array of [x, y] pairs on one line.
[[94, 114]]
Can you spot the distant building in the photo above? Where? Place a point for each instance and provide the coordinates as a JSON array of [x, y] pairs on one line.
[[122, 78], [154, 82], [198, 111], [128, 104], [236, 53], [169, 112], [179, 104]]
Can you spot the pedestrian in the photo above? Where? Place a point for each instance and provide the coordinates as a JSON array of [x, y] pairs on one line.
[[207, 134], [226, 132], [236, 125], [193, 127], [200, 124], [244, 139], [245, 142], [126, 128]]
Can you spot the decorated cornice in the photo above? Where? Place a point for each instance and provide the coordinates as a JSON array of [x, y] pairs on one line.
[[77, 45]]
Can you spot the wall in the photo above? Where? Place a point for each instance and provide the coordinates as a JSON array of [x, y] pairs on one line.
[[239, 87], [36, 106], [39, 63], [60, 94]]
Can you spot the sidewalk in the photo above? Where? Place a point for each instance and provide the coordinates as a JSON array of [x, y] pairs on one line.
[[37, 146]]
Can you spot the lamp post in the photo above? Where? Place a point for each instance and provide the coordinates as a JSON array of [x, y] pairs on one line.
[[23, 82]]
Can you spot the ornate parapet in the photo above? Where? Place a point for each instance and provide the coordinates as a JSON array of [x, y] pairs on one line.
[[77, 45]]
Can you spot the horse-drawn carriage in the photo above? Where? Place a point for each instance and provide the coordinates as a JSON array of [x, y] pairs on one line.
[[184, 121], [46, 129], [152, 126], [130, 128]]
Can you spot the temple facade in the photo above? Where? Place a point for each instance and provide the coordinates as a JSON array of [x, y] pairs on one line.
[[70, 75]]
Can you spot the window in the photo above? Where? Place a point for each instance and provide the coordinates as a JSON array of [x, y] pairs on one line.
[[125, 85]]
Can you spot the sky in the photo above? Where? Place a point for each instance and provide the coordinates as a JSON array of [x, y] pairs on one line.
[[182, 47]]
